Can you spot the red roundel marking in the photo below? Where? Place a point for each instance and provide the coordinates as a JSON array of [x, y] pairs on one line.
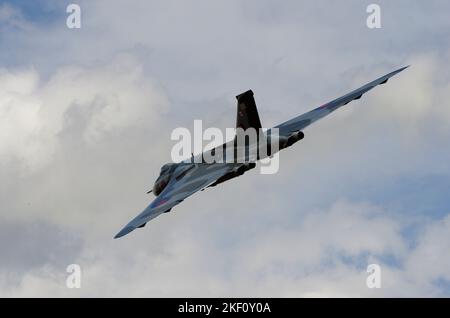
[[162, 202], [157, 204]]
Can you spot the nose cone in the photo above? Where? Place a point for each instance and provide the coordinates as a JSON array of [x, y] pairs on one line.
[[127, 229]]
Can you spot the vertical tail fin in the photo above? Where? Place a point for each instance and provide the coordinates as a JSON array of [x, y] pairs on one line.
[[247, 114]]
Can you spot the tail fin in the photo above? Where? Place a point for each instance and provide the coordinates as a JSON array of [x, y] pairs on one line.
[[247, 114]]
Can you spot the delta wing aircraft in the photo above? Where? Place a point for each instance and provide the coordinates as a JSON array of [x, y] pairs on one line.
[[177, 181]]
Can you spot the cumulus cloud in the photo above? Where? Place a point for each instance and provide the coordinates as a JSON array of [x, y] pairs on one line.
[[428, 262], [111, 97], [311, 257], [85, 121]]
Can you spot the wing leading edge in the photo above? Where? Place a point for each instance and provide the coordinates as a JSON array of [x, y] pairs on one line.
[[181, 186], [303, 121]]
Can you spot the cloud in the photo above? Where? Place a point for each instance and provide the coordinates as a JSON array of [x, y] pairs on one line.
[[36, 244], [109, 97], [345, 230], [10, 16], [85, 121], [428, 263], [310, 257]]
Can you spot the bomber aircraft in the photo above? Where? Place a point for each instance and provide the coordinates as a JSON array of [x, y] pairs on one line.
[[177, 181]]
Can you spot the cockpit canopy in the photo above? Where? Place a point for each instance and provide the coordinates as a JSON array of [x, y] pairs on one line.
[[166, 168], [164, 178]]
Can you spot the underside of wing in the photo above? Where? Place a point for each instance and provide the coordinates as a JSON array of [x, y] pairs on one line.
[[189, 179], [300, 122]]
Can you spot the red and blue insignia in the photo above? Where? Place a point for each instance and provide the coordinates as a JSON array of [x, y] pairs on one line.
[[159, 203]]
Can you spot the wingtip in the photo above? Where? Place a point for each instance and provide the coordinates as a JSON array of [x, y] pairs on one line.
[[404, 68], [397, 71]]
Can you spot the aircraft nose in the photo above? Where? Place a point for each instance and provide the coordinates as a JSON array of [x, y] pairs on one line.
[[124, 231]]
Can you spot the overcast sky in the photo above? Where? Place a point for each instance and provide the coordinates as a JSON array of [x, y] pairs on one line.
[[85, 122]]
